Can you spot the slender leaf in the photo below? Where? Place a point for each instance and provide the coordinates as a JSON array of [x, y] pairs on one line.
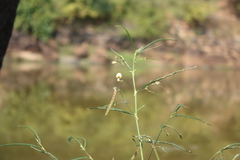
[[21, 144], [39, 150], [112, 109], [230, 146], [236, 156], [35, 133], [136, 142], [175, 145], [157, 40], [178, 115], [156, 80], [234, 147], [152, 92], [163, 126], [80, 158], [121, 57], [128, 34], [141, 107], [233, 144], [178, 107], [76, 139]]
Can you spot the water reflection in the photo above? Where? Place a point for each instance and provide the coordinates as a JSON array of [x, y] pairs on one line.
[[53, 99]]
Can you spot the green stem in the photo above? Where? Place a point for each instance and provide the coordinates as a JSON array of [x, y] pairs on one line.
[[160, 132], [136, 104]]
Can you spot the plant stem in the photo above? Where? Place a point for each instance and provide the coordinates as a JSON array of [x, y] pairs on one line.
[[160, 132], [136, 104]]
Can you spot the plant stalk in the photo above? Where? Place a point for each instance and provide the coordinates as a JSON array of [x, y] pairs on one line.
[[136, 104]]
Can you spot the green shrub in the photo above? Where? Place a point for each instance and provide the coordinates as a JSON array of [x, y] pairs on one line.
[[83, 9], [37, 17]]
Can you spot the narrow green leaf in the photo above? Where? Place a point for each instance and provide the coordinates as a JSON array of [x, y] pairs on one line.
[[157, 40], [234, 147], [156, 80], [39, 150], [230, 146], [128, 34], [84, 141], [175, 145], [35, 133], [152, 92], [112, 109], [80, 158], [236, 156], [121, 57], [141, 107], [233, 144], [178, 107], [21, 144], [178, 115], [76, 139], [179, 134], [136, 143]]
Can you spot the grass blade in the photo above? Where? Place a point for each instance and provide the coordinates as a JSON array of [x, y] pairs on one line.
[[236, 156], [80, 158], [35, 133], [76, 139], [178, 107], [157, 40], [230, 146], [112, 109], [179, 115], [156, 80], [163, 126], [21, 144], [128, 34], [122, 58], [175, 145], [141, 107]]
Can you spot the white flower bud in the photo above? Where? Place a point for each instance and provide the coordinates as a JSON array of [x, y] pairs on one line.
[[118, 76]]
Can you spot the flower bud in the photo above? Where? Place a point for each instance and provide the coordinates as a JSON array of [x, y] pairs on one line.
[[118, 76]]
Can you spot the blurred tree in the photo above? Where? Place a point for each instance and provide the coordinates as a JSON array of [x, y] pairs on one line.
[[7, 16], [37, 17], [83, 9]]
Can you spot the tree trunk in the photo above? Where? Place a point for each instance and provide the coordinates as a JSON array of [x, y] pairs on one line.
[[7, 15]]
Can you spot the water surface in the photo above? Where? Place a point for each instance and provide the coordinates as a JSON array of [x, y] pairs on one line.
[[53, 99]]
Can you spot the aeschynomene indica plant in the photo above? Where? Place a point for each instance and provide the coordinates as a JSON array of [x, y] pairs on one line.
[[140, 139]]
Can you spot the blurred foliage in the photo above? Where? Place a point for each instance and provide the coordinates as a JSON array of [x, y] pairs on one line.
[[37, 17], [235, 6], [195, 12], [148, 19], [83, 9]]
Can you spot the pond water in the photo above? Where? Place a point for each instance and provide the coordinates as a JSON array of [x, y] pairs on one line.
[[53, 100]]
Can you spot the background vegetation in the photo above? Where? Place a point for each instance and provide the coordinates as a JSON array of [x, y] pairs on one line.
[[41, 18]]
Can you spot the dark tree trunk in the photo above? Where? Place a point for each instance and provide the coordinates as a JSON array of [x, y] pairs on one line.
[[7, 15]]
